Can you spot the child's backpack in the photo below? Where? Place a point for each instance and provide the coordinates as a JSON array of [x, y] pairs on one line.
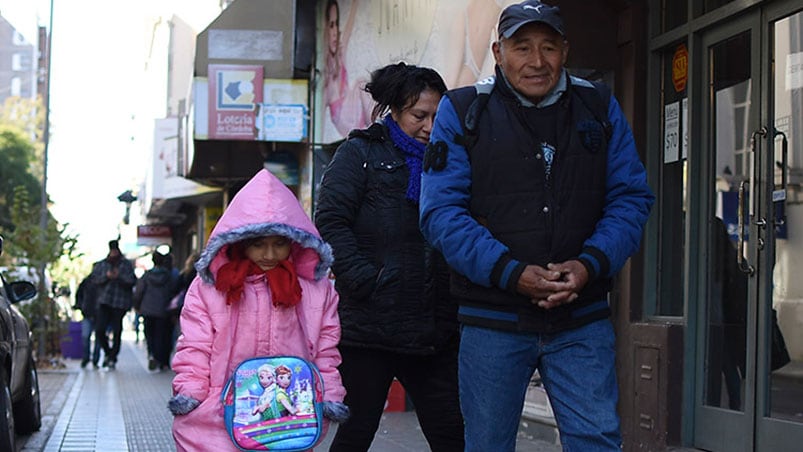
[[255, 416]]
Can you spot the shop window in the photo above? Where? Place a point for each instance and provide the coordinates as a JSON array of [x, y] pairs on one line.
[[788, 102], [673, 181], [16, 62], [16, 86], [673, 14]]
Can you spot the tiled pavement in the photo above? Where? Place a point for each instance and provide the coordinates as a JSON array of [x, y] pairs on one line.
[[120, 410]]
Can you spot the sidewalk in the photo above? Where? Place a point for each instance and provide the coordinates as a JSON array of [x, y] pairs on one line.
[[126, 410], [120, 410]]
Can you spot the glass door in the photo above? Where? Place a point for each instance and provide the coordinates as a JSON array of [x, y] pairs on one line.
[[779, 388], [730, 101], [750, 375]]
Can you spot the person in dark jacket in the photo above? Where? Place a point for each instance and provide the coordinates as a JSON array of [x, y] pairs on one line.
[[398, 320], [536, 211], [86, 301], [185, 277], [151, 296], [114, 279]]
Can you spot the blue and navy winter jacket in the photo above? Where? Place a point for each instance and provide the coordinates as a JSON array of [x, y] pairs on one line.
[[541, 184]]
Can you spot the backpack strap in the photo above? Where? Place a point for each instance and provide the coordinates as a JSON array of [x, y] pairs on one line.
[[469, 105], [597, 98]]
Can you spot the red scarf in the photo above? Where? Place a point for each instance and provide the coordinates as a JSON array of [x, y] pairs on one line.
[[282, 280]]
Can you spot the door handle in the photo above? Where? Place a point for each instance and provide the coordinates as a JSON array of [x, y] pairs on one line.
[[779, 194], [754, 143], [743, 265], [744, 212]]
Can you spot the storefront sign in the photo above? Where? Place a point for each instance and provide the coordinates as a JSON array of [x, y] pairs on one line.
[[283, 123], [154, 235], [234, 93], [245, 44], [680, 66], [210, 217], [671, 132], [793, 76]]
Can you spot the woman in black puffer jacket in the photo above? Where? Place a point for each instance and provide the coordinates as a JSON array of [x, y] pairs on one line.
[[397, 317]]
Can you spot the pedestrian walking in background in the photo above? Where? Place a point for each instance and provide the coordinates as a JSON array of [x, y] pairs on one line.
[[397, 316], [136, 324], [114, 279], [536, 202], [261, 290], [86, 301], [152, 295], [188, 271], [185, 277]]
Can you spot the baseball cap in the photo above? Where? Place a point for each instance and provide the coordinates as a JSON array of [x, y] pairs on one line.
[[515, 16]]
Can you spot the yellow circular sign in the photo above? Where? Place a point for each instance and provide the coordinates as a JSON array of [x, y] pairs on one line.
[[680, 66]]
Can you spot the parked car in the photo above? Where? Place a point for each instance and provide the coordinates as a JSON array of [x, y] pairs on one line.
[[20, 411]]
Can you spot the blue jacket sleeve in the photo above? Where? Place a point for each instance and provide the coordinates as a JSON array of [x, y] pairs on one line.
[[445, 220], [627, 205]]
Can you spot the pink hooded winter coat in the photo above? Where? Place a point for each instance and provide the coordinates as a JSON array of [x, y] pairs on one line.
[[216, 336]]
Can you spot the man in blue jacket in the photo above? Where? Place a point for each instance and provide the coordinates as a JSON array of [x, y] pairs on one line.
[[534, 192]]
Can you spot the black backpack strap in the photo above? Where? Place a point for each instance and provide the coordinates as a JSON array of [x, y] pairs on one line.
[[469, 105], [461, 100], [597, 99]]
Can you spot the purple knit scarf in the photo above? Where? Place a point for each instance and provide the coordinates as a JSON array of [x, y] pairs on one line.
[[413, 154]]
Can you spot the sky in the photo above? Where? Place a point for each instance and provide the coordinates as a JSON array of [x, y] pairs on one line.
[[97, 149]]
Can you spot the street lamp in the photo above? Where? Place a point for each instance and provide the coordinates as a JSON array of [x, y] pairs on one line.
[[127, 197]]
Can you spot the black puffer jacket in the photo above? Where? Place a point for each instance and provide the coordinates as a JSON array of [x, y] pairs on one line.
[[393, 286], [154, 291], [86, 298]]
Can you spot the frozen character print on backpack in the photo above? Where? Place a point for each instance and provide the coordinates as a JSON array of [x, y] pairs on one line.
[[303, 397], [266, 404], [271, 420], [283, 377]]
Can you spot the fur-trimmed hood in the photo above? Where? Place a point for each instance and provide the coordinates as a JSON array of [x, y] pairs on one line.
[[265, 206]]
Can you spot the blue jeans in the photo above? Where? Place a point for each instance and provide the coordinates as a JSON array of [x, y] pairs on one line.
[[578, 372], [87, 328]]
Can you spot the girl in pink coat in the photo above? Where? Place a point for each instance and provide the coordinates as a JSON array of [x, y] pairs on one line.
[[261, 290]]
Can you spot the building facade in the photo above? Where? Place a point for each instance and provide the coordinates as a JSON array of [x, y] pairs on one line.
[[18, 63], [723, 117]]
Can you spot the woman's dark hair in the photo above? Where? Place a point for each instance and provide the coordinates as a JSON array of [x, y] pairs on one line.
[[398, 86]]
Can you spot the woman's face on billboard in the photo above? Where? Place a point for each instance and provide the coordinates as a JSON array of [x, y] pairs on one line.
[[332, 28]]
